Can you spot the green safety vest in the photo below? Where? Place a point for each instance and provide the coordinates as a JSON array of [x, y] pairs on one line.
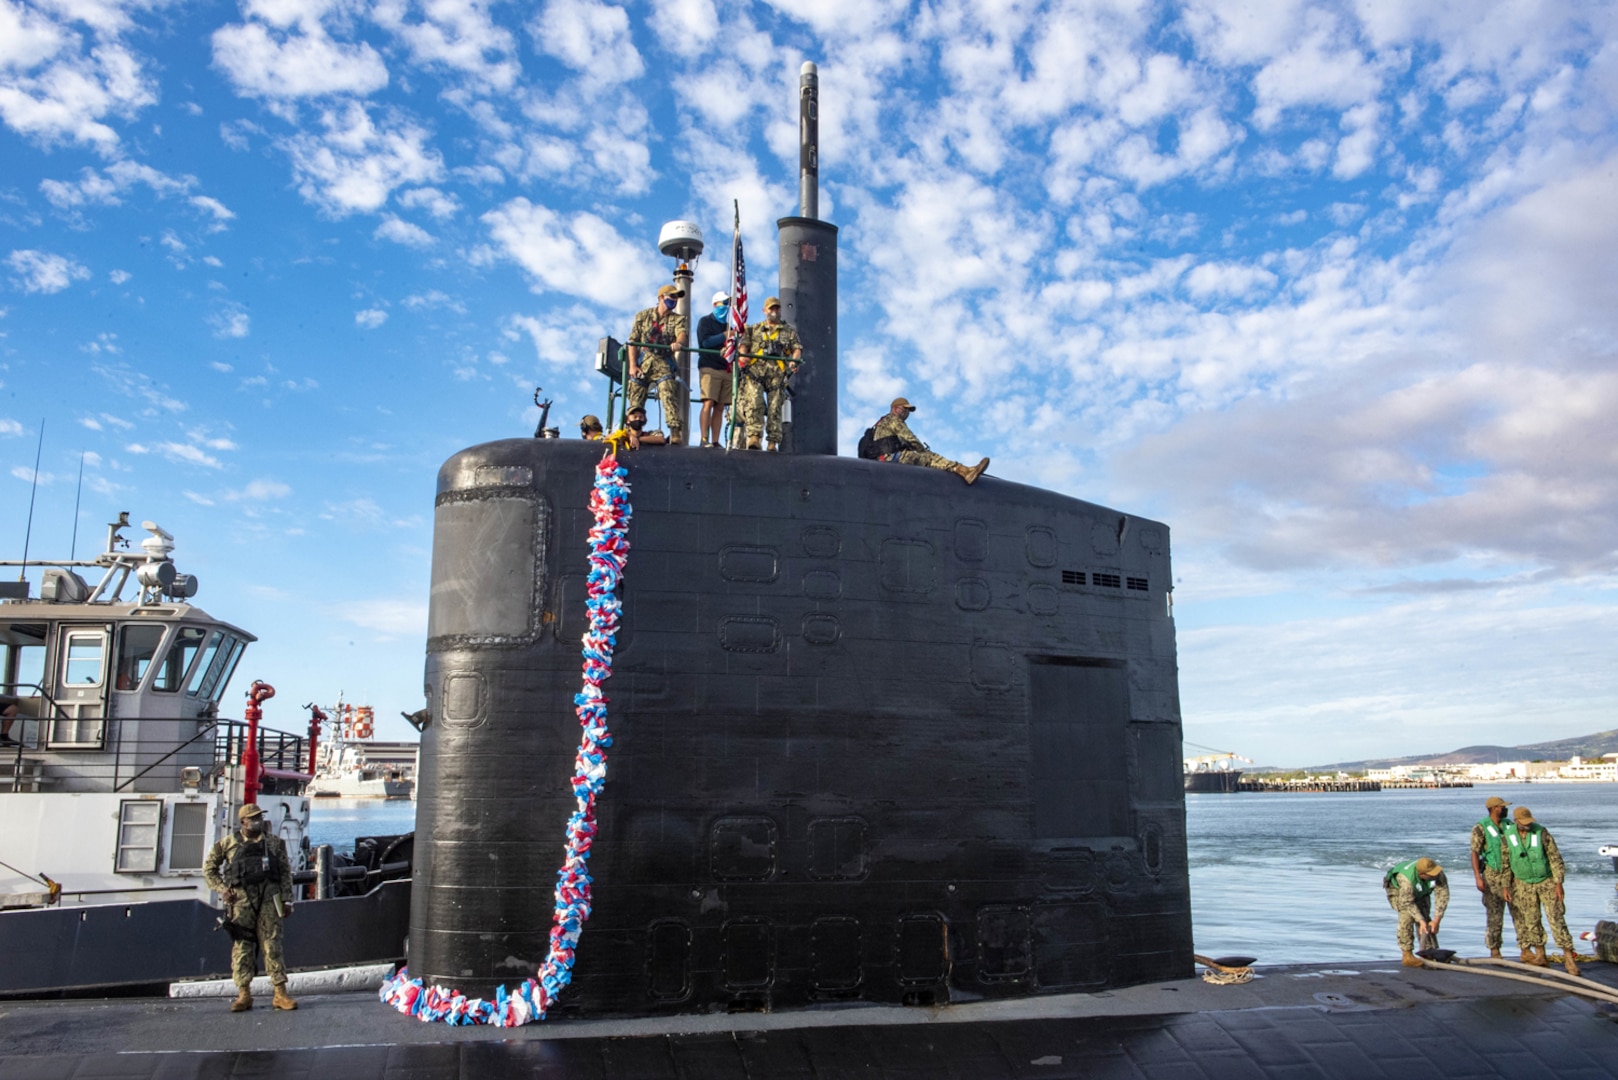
[[1491, 847], [1528, 861], [1407, 871]]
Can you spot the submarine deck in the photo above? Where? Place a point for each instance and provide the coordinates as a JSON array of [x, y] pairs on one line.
[[1345, 1020]]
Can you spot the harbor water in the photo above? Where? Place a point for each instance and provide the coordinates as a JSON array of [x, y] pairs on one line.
[[1294, 878]]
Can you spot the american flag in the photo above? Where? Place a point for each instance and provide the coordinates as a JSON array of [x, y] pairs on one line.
[[738, 294]]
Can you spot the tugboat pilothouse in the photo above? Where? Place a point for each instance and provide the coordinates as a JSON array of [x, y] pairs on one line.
[[118, 774]]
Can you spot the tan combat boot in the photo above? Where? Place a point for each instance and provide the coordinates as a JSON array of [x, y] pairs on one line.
[[244, 1000], [1410, 959], [976, 471], [1539, 958], [282, 1001], [755, 443], [1495, 953], [1569, 962]]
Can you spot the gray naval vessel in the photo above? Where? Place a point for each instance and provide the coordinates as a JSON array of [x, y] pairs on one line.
[[895, 791]]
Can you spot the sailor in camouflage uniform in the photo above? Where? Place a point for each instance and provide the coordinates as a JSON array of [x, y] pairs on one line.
[[1419, 892], [651, 366], [250, 872], [911, 450], [1536, 881], [774, 350], [1491, 869]]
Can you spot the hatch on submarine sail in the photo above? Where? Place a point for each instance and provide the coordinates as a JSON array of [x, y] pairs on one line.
[[878, 736]]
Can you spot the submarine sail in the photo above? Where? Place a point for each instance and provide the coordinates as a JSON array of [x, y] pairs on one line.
[[877, 737]]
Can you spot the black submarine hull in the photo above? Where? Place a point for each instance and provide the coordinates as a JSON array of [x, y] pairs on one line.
[[878, 736]]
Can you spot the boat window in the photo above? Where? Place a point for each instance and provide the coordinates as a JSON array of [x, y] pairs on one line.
[[137, 646], [204, 662], [228, 669], [171, 672], [216, 671], [22, 658], [188, 835], [85, 656], [138, 824]]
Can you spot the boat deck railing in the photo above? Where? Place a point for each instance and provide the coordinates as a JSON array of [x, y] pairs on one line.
[[214, 750]]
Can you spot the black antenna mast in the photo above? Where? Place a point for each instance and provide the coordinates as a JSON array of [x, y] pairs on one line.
[[22, 574], [73, 553]]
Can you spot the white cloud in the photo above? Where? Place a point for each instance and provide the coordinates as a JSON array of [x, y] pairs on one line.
[[454, 34], [354, 165], [10, 427], [181, 453], [44, 272], [259, 491], [589, 37], [370, 318], [580, 255], [293, 57], [57, 88], [439, 204], [231, 321], [404, 232], [118, 277], [434, 298], [218, 210], [403, 618]]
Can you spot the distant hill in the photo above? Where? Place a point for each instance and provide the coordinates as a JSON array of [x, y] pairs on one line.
[[1585, 746]]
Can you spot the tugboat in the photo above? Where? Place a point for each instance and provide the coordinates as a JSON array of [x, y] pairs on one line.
[[117, 774]]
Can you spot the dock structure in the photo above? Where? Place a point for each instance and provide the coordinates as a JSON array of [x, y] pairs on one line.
[[1315, 786], [1334, 1022]]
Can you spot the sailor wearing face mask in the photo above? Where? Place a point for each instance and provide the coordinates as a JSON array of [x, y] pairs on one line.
[[635, 424], [776, 350], [655, 334], [250, 872]]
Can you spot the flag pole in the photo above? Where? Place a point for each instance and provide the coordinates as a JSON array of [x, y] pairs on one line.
[[730, 418]]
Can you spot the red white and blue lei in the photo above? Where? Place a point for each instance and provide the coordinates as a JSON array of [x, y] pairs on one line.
[[609, 551]]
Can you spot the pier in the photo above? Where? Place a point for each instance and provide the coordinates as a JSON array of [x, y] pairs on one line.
[[1316, 786]]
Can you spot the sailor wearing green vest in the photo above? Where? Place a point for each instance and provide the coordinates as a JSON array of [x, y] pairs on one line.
[[1419, 892], [1537, 873], [1491, 870]]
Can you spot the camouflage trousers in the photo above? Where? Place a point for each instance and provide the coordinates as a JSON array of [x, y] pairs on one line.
[[1494, 907], [761, 393], [1407, 919], [257, 910], [657, 374], [1526, 901], [923, 457]]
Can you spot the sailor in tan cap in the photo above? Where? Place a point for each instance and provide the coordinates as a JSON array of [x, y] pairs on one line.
[[1537, 874], [892, 440], [250, 871], [1419, 892], [1491, 871]]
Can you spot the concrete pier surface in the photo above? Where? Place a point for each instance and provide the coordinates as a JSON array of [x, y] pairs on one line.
[[1349, 1021]]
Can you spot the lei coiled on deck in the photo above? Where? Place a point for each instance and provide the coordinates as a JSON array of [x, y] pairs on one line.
[[609, 551]]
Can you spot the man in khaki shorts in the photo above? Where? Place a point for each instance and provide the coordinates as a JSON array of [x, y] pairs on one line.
[[713, 374]]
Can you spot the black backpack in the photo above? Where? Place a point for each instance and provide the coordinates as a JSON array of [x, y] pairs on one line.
[[874, 449]]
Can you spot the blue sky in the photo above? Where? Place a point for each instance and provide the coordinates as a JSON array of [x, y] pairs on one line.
[[1327, 287]]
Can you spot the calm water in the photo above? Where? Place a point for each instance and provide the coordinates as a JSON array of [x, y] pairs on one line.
[[1295, 878]]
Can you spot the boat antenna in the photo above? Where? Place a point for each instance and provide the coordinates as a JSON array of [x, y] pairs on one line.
[[78, 493], [28, 534]]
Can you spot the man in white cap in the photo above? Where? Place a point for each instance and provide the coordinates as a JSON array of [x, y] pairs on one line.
[[1419, 892], [892, 440], [250, 872], [713, 373]]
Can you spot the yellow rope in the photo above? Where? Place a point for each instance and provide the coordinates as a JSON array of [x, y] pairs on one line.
[[615, 440], [1220, 975]]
